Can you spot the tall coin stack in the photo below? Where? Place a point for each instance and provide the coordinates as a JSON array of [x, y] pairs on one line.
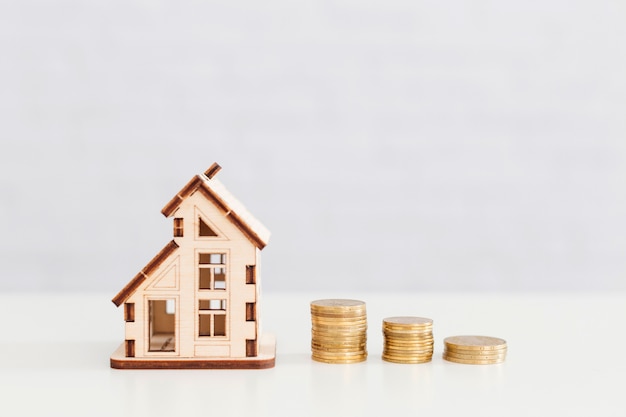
[[474, 350], [408, 339], [338, 331]]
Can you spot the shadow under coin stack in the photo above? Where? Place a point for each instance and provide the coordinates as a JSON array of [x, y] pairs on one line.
[[408, 339], [474, 350], [338, 331]]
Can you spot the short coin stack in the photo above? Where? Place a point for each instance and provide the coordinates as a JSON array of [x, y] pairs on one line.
[[474, 350], [338, 331], [408, 339]]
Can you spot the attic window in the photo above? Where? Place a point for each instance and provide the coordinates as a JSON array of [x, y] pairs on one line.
[[212, 271], [178, 227], [204, 230]]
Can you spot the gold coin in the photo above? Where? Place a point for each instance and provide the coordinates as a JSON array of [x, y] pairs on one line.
[[335, 314], [407, 357], [474, 343], [338, 356], [348, 346], [406, 339], [344, 337], [338, 310], [475, 351], [409, 342], [338, 335], [407, 321], [339, 361], [335, 341], [341, 321], [408, 351], [324, 328], [408, 347], [406, 361], [413, 359], [416, 345], [475, 356], [339, 324], [338, 343], [409, 333], [397, 329], [406, 327], [339, 352], [472, 361], [339, 314], [337, 304], [334, 322], [339, 329]]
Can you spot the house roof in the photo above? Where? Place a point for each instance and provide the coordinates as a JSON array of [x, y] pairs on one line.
[[145, 272], [215, 192]]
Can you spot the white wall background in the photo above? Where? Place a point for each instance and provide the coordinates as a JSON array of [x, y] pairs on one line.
[[419, 145]]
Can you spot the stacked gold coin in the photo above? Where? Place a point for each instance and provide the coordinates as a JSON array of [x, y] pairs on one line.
[[338, 331], [474, 350], [408, 339]]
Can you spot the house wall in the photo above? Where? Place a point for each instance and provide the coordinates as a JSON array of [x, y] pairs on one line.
[[178, 278]]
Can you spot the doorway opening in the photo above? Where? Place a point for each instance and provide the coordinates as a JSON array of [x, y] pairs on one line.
[[162, 325]]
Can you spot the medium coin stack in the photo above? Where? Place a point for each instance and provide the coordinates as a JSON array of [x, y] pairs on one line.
[[408, 339], [474, 350], [338, 331]]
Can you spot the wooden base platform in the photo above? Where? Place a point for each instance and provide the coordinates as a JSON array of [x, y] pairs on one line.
[[266, 359]]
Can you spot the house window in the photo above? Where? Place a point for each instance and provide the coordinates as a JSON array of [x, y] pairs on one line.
[[162, 325], [178, 227], [212, 271], [204, 230], [212, 318]]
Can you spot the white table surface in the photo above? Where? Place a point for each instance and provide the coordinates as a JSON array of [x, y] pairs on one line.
[[566, 357]]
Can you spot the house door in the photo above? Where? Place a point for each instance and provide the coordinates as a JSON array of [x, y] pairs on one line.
[[162, 325]]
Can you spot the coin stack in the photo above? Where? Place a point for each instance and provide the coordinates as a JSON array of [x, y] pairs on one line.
[[408, 339], [338, 331], [474, 350]]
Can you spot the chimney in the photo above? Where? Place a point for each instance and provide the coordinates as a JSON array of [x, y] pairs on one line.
[[213, 170]]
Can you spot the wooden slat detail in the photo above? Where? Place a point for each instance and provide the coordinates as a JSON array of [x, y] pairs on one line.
[[213, 170], [250, 274], [129, 312], [129, 348], [251, 348], [250, 311], [130, 288], [185, 192]]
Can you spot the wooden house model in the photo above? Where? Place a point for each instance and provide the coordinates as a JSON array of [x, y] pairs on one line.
[[196, 303]]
